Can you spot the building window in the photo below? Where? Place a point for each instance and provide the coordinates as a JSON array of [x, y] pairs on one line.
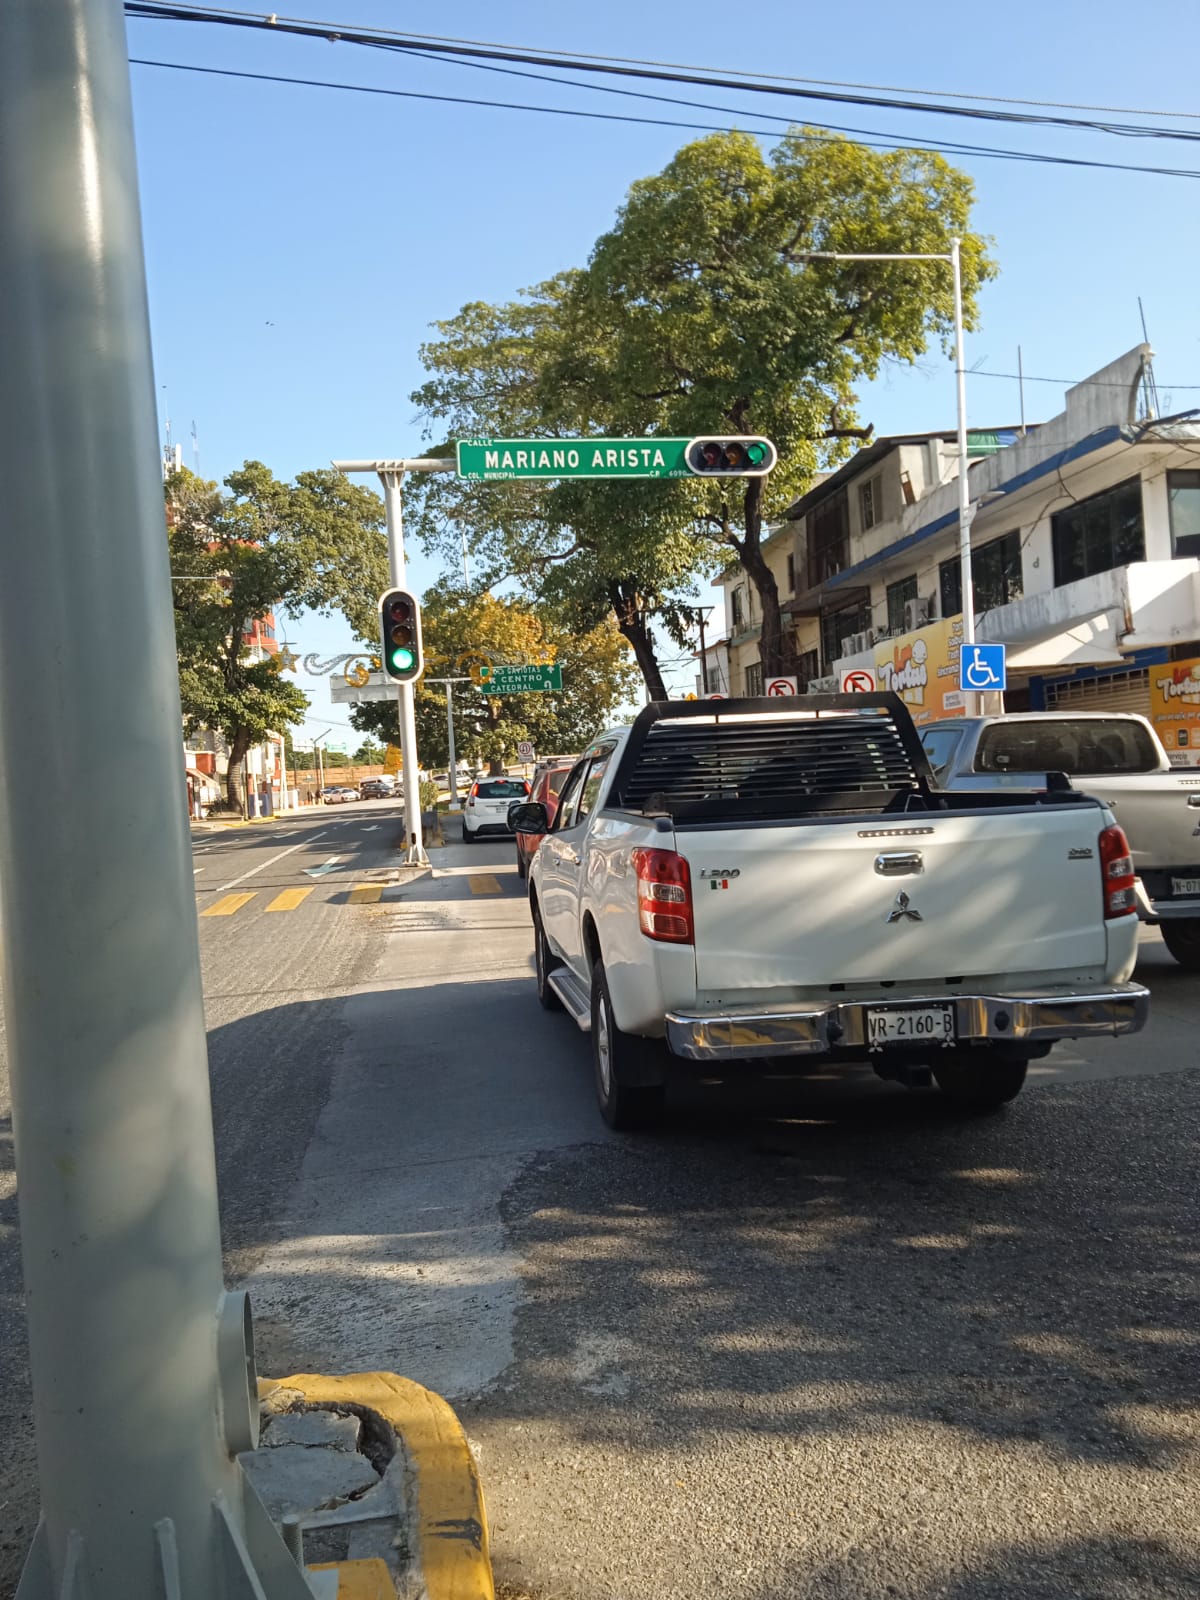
[[1183, 494], [828, 540], [1099, 534], [754, 679], [898, 596], [739, 618], [808, 667], [791, 574], [839, 625], [995, 576], [868, 503]]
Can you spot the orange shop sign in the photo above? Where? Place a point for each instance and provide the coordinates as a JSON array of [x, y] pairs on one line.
[[1175, 709], [922, 668]]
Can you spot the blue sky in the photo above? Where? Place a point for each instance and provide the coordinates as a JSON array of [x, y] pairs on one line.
[[300, 241]]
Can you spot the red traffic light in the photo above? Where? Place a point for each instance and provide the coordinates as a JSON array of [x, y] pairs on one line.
[[732, 456]]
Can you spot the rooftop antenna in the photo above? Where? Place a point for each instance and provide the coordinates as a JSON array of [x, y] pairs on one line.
[[195, 451], [167, 410], [1149, 387]]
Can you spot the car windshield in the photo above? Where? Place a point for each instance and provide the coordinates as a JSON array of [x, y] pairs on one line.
[[1094, 745], [502, 789]]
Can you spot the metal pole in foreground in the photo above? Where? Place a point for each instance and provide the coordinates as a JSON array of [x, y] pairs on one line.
[[141, 1365]]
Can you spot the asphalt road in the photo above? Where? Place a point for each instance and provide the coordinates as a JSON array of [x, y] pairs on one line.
[[815, 1338]]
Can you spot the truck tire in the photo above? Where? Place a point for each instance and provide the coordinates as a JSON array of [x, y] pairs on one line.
[[543, 963], [521, 873], [1182, 939], [979, 1081], [629, 1071]]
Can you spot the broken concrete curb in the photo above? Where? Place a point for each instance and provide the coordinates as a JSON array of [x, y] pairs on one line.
[[446, 1529]]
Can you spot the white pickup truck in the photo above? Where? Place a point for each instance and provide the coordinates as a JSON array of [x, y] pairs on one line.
[[754, 879], [1114, 755]]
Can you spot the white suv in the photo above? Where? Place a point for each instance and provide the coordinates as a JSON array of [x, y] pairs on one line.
[[486, 810]]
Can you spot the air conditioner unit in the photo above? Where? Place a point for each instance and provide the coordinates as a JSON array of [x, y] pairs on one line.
[[916, 614], [856, 643]]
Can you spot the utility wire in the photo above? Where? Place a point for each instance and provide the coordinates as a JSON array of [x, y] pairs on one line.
[[427, 45], [983, 151], [825, 83]]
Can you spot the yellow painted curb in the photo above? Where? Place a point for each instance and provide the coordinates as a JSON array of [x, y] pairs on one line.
[[450, 1540], [360, 1580]]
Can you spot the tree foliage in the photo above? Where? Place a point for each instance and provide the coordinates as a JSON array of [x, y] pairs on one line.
[[461, 633], [588, 550], [698, 312], [262, 546]]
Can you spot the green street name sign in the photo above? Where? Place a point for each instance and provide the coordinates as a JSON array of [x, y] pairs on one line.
[[487, 460], [520, 680]]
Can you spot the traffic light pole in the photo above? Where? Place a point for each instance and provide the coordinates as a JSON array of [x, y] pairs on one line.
[[391, 476], [141, 1365]]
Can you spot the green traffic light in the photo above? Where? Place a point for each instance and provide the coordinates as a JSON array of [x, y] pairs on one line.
[[402, 659], [757, 453]]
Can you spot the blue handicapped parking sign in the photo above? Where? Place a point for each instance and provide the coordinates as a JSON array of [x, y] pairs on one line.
[[981, 667]]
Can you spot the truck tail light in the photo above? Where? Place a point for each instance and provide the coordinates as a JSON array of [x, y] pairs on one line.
[[1117, 874], [664, 891]]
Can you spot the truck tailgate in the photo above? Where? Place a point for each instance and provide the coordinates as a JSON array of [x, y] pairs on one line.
[[1156, 811], [861, 899]]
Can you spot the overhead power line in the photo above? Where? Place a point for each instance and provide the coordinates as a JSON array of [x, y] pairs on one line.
[[864, 136], [705, 78], [770, 77]]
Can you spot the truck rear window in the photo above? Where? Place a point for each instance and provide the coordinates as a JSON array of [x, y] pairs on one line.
[[1092, 746], [502, 789]]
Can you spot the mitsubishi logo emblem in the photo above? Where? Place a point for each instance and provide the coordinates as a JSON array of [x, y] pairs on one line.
[[903, 909]]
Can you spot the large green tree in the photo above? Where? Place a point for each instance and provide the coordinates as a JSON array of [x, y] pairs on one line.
[[717, 319], [629, 550], [461, 632], [261, 546]]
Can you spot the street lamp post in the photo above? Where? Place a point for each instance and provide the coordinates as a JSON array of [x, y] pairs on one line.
[[965, 509], [453, 772]]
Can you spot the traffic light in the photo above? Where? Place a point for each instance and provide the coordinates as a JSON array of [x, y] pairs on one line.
[[738, 456], [400, 624]]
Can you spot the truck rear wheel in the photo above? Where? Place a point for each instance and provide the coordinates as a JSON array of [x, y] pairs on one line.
[[626, 1067], [979, 1080], [1182, 939]]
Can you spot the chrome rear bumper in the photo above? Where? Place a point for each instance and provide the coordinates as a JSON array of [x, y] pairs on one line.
[[744, 1033]]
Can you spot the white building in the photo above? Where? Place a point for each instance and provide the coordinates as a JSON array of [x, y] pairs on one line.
[[1085, 547]]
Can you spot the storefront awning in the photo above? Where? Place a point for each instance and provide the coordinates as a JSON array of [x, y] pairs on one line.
[[1081, 642]]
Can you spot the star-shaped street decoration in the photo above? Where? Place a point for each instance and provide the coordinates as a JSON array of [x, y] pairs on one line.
[[287, 659]]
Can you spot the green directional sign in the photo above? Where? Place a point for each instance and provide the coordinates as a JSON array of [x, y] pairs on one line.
[[520, 680], [489, 460]]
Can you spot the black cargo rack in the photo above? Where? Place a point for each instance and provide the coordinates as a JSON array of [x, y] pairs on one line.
[[715, 760]]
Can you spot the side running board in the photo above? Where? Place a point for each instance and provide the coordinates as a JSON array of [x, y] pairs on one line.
[[573, 995]]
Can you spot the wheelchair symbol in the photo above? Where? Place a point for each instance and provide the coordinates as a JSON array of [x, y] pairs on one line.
[[979, 668]]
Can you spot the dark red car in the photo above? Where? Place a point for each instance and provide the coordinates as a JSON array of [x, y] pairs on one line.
[[547, 783]]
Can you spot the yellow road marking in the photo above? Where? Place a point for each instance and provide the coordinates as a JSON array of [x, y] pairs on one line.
[[289, 899], [485, 884], [228, 904], [365, 894]]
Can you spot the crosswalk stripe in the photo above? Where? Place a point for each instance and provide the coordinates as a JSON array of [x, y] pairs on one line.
[[485, 883], [365, 894], [289, 899], [228, 904]]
